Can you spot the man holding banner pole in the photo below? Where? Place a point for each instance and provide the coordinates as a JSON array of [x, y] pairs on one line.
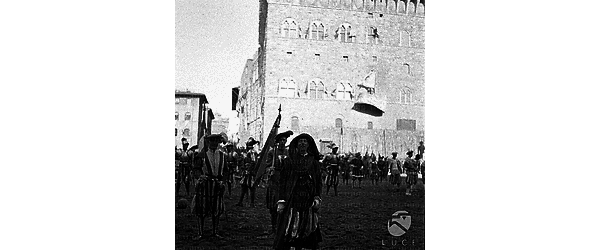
[[275, 160]]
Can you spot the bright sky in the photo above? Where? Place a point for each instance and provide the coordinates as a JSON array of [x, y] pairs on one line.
[[213, 40]]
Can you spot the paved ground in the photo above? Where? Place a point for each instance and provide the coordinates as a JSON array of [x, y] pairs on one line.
[[355, 219]]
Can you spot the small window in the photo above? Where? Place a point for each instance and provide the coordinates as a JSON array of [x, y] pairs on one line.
[[345, 59], [374, 58], [369, 125], [370, 15], [188, 116], [289, 52], [317, 56], [176, 116], [175, 131], [183, 101], [338, 123], [176, 100], [295, 123], [380, 15], [186, 132]]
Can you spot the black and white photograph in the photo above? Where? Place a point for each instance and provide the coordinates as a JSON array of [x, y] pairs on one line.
[[300, 124]]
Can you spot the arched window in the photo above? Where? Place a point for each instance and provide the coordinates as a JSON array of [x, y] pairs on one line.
[[372, 35], [186, 132], [344, 91], [176, 116], [188, 116], [369, 125], [406, 69], [338, 122], [316, 89], [317, 31], [405, 39], [421, 8], [295, 123], [345, 33], [406, 96], [287, 87], [175, 131], [289, 28]]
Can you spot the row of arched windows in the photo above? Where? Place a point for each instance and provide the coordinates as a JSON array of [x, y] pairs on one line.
[[344, 33], [401, 124], [315, 89]]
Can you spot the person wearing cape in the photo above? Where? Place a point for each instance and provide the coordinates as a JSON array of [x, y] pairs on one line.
[[275, 159], [299, 197], [210, 165]]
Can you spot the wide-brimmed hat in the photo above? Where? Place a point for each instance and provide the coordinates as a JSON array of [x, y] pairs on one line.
[[410, 152], [285, 134], [251, 142], [312, 146], [214, 137]]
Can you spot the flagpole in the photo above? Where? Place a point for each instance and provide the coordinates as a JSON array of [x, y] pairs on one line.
[[261, 163]]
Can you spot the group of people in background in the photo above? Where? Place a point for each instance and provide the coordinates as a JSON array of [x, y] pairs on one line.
[[293, 179], [377, 169]]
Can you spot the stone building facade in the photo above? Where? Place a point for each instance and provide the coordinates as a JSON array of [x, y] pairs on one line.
[[316, 56], [192, 118]]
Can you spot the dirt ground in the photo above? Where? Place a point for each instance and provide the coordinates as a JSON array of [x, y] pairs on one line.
[[355, 219]]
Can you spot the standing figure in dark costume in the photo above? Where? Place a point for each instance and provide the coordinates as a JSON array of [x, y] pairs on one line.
[[410, 166], [332, 162], [357, 169], [421, 149], [382, 168], [248, 177], [231, 159], [275, 158], [394, 166], [185, 166], [210, 189], [374, 170], [345, 169], [300, 197]]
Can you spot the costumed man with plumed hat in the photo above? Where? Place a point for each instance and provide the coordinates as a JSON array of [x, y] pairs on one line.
[[299, 196], [248, 177], [209, 167], [185, 166], [275, 159], [332, 162]]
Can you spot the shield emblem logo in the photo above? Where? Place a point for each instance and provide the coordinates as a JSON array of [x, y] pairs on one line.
[[399, 224]]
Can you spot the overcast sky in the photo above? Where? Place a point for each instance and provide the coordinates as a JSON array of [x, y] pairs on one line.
[[213, 40]]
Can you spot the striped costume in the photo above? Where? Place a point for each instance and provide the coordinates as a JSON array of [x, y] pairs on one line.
[[208, 199]]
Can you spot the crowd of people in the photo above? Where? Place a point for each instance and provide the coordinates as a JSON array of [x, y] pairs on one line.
[[293, 179]]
